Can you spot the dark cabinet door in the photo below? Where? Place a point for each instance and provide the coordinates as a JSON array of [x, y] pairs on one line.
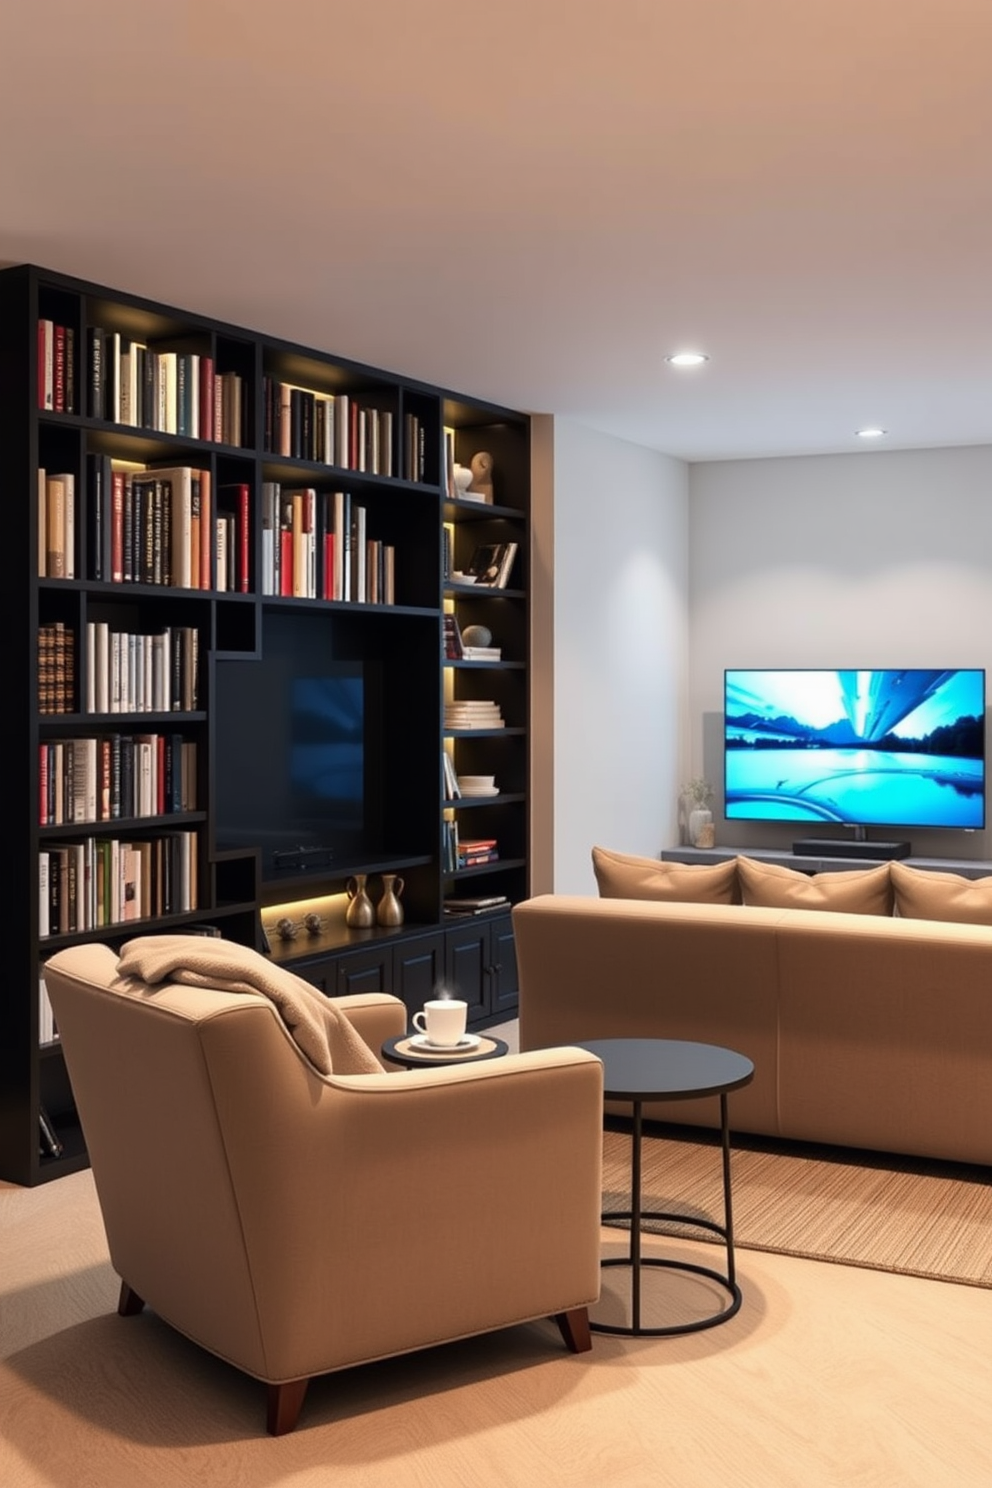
[[481, 966], [466, 967], [418, 970], [370, 970], [504, 987]]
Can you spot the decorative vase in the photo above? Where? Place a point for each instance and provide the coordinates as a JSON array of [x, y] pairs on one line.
[[390, 910], [701, 830], [361, 911]]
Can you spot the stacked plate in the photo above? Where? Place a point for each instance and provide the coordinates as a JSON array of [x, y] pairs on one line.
[[478, 785]]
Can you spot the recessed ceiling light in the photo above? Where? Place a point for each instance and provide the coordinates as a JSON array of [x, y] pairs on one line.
[[871, 433], [687, 359]]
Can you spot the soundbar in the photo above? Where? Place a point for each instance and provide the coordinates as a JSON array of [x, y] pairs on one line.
[[838, 847]]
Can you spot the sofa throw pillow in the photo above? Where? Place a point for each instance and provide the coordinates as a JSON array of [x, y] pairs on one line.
[[860, 891], [623, 876], [924, 895]]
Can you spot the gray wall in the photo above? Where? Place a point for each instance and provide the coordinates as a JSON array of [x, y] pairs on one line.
[[875, 559], [618, 684]]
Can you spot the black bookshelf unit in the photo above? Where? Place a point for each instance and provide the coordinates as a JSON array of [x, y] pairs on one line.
[[229, 563]]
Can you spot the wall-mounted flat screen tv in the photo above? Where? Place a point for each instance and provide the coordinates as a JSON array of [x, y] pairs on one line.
[[859, 748]]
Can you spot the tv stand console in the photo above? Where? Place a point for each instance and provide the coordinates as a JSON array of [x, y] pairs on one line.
[[815, 863]]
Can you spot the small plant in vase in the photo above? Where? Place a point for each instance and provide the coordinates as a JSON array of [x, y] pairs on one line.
[[697, 795]]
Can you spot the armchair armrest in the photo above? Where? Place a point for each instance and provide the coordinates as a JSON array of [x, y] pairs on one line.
[[376, 1016]]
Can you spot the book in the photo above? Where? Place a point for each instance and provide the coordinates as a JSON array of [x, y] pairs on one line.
[[454, 647], [482, 905], [491, 563], [180, 545], [46, 365]]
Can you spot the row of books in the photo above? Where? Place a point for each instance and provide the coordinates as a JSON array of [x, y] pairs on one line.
[[316, 545], [56, 367], [129, 672], [115, 776], [166, 525], [56, 667], [124, 672], [167, 390], [327, 428], [108, 881]]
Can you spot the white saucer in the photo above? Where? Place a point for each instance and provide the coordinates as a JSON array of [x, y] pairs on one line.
[[468, 1041], [489, 790]]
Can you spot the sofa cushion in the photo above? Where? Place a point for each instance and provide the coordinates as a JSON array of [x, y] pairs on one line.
[[924, 895], [859, 891], [621, 876]]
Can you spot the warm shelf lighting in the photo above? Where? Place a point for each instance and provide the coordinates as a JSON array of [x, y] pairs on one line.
[[687, 359], [871, 433]]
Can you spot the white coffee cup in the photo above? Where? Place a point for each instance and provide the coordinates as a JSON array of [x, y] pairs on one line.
[[442, 1021]]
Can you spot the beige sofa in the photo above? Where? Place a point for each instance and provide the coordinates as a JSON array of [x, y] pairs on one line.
[[866, 1030]]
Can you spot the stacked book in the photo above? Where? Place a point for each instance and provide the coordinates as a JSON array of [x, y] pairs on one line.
[[468, 714], [463, 908], [472, 854]]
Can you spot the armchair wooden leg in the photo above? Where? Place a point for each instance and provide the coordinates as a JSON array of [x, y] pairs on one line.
[[284, 1405], [129, 1304], [575, 1330]]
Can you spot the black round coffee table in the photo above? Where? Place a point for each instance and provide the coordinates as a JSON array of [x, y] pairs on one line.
[[641, 1069]]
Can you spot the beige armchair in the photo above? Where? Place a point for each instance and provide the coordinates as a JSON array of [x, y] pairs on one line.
[[295, 1223]]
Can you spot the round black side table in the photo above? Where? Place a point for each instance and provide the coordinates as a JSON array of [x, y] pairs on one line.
[[402, 1050], [638, 1070]]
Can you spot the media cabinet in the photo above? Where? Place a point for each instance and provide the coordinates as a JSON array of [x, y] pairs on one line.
[[181, 493]]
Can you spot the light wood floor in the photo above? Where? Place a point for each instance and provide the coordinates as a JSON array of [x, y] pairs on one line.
[[829, 1377]]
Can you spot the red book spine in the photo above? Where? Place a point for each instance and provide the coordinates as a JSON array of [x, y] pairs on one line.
[[286, 561], [243, 542], [43, 784], [42, 402]]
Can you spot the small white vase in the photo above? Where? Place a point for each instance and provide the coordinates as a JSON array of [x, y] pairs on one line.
[[701, 830]]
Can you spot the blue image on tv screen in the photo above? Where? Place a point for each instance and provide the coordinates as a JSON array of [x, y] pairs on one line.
[[863, 748], [326, 757]]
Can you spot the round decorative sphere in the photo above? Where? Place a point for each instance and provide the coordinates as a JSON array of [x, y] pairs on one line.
[[477, 635]]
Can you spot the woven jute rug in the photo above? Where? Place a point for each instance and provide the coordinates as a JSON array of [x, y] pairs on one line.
[[918, 1217]]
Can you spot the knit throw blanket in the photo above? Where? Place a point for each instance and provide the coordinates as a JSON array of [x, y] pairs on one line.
[[321, 1031]]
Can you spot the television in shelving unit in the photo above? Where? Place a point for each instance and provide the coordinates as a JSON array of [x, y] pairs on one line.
[[297, 740], [871, 748]]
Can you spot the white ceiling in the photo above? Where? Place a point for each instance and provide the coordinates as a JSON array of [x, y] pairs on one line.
[[533, 201]]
